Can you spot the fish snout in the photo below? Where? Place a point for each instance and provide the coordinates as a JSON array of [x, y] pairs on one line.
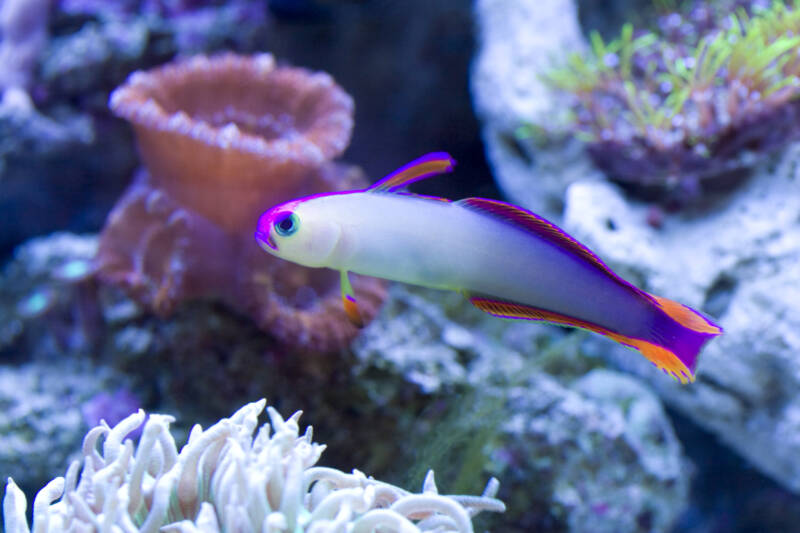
[[264, 233], [266, 242]]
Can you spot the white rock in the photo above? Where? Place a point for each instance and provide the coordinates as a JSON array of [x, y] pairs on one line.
[[739, 260], [518, 41]]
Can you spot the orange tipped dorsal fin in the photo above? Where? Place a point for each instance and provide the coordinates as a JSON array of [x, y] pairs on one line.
[[660, 356], [424, 167], [687, 317], [544, 229]]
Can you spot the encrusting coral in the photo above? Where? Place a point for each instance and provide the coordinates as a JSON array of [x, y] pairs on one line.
[[224, 138], [681, 108], [226, 479]]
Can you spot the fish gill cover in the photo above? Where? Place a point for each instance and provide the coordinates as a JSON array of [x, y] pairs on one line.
[[689, 105]]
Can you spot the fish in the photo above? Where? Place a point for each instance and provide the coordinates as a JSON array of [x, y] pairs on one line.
[[506, 260]]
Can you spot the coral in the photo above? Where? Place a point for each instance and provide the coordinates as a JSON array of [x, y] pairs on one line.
[[227, 479], [213, 132], [223, 139], [688, 107]]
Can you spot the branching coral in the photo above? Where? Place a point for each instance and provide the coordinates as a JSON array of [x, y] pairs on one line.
[[684, 106], [223, 139], [227, 479]]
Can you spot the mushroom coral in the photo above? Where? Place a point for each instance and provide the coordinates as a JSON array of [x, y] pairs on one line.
[[222, 139]]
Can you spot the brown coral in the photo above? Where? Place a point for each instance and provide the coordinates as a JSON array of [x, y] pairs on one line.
[[224, 138]]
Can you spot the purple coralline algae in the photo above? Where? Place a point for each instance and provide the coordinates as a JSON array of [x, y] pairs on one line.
[[109, 406]]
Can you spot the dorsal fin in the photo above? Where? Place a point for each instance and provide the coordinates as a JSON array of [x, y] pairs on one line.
[[533, 223], [426, 166], [424, 196]]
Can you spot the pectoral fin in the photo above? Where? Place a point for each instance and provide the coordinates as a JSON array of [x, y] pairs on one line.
[[349, 301]]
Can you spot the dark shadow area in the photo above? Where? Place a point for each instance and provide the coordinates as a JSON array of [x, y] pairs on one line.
[[727, 494], [406, 64]]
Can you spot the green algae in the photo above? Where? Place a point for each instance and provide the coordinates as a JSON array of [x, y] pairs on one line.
[[674, 109]]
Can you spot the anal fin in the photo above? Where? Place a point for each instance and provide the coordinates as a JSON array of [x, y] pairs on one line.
[[660, 356]]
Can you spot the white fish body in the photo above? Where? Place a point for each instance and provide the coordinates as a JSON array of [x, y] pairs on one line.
[[507, 261], [444, 245]]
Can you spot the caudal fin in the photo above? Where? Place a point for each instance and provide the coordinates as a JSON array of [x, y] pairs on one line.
[[678, 334]]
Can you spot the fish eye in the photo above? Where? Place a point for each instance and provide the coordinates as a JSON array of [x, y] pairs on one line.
[[287, 225]]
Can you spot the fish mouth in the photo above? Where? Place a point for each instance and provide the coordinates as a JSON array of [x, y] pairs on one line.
[[266, 243]]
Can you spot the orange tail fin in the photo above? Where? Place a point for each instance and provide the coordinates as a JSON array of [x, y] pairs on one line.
[[687, 317]]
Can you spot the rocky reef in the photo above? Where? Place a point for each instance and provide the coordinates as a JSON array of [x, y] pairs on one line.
[[64, 158], [43, 418], [518, 42], [733, 255], [738, 262], [676, 114], [431, 383], [574, 427]]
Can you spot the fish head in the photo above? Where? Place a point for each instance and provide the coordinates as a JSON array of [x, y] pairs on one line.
[[299, 231]]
